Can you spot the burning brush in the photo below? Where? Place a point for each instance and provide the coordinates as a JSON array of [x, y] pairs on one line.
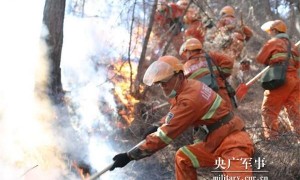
[[83, 169]]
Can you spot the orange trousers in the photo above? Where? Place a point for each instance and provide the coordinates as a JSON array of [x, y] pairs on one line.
[[274, 101], [233, 154]]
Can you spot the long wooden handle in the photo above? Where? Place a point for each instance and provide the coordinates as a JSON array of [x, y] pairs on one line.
[[255, 78], [98, 174]]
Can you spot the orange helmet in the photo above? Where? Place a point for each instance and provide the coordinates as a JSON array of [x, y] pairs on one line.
[[190, 44], [228, 10], [277, 24], [163, 68]]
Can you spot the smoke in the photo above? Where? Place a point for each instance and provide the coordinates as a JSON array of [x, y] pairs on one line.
[[28, 147], [91, 43]]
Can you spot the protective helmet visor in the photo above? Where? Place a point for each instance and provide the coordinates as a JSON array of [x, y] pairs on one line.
[[158, 71], [182, 49], [267, 26]]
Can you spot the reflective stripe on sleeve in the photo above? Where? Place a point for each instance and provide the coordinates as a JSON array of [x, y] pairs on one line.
[[278, 55], [283, 55], [159, 133], [226, 70], [200, 71], [213, 108], [191, 156]]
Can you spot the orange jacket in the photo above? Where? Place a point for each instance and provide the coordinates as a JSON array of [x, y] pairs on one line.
[[196, 104], [197, 67], [275, 50]]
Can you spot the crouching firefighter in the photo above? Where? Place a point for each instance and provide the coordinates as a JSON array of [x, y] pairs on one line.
[[193, 104]]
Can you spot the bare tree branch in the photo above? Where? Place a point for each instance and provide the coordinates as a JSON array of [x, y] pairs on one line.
[[129, 47]]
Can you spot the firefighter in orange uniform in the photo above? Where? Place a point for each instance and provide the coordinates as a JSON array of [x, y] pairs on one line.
[[193, 24], [167, 12], [168, 19], [230, 38], [274, 51], [195, 66], [193, 104], [234, 34]]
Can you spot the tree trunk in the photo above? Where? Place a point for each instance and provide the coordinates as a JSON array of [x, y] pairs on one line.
[[54, 12], [141, 65]]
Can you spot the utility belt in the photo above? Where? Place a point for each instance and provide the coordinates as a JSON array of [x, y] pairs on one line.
[[224, 120], [200, 133]]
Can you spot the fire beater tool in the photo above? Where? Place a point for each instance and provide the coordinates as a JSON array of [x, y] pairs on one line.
[[242, 89]]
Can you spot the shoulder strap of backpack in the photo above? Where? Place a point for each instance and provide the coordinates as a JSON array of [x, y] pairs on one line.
[[229, 89], [289, 53], [209, 63]]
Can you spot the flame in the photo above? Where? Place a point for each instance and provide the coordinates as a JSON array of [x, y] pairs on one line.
[[121, 79], [83, 172]]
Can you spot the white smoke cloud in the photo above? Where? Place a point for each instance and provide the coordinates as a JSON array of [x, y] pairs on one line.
[[29, 147], [90, 44], [26, 115]]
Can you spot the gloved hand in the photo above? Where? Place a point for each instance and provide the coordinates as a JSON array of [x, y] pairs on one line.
[[150, 130], [121, 160]]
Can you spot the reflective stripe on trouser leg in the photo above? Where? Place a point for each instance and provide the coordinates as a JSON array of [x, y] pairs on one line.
[[191, 156], [185, 168]]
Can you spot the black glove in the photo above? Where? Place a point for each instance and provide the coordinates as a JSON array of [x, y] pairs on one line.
[[150, 130], [120, 160]]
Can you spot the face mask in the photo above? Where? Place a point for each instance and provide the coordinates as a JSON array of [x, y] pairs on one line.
[[173, 93]]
